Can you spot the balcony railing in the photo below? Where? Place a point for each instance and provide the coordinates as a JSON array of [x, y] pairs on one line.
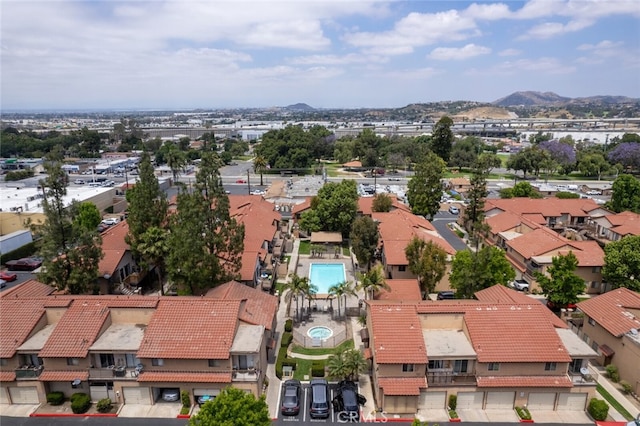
[[446, 376], [250, 375], [118, 372], [29, 372]]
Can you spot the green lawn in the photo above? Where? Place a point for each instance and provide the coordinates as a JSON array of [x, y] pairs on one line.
[[614, 403], [303, 368], [305, 247], [323, 351]]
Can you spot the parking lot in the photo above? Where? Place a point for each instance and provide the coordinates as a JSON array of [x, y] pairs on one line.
[[305, 401]]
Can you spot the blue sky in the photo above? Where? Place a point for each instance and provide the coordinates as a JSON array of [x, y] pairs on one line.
[[336, 53]]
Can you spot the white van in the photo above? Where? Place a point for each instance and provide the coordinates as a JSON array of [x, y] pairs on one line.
[[572, 187]]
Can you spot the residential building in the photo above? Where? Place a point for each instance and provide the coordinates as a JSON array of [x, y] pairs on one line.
[[424, 351], [611, 326], [614, 227], [128, 348], [118, 271]]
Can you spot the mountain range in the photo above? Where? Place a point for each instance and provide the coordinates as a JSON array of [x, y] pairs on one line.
[[530, 98]]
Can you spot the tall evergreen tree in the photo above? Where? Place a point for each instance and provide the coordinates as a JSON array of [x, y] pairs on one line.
[[442, 138], [206, 242], [364, 239], [473, 217], [147, 204], [70, 247], [425, 187]]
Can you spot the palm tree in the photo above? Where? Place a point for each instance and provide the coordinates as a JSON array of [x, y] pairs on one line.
[[175, 160], [373, 281], [259, 166], [355, 363], [154, 250], [312, 290], [296, 286], [336, 367], [340, 290]]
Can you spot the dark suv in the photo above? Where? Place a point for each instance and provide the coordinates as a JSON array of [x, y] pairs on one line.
[[291, 399], [446, 295], [319, 401], [347, 402]]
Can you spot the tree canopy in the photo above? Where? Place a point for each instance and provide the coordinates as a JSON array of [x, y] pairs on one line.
[[561, 286], [425, 188], [475, 271], [520, 190], [428, 261], [442, 138], [334, 208], [364, 239], [206, 242], [233, 407], [622, 263], [626, 194]]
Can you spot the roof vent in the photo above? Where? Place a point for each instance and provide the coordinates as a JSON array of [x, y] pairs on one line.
[[634, 331]]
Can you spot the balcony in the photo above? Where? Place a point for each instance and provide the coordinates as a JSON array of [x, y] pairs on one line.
[[250, 375], [447, 377], [28, 372], [130, 373]]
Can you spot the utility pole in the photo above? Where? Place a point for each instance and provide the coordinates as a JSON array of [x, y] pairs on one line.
[[248, 182]]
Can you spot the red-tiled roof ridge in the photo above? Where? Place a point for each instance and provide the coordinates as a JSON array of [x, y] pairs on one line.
[[27, 290], [17, 321], [397, 334], [611, 310], [259, 308], [400, 289], [402, 386]]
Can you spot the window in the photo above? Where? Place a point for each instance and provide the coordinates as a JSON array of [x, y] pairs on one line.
[[550, 366], [243, 362], [132, 360], [576, 365], [494, 366], [435, 364], [402, 268], [73, 361], [591, 321], [407, 368], [214, 363], [460, 366], [594, 345], [107, 360], [595, 269], [3, 362], [157, 362]]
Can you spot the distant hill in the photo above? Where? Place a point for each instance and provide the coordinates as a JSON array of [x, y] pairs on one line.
[[299, 107], [531, 98]]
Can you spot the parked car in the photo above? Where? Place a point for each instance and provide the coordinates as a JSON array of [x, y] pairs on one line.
[[241, 181], [291, 398], [557, 308], [446, 295], [205, 398], [24, 264], [171, 395], [3, 283], [8, 277], [594, 192], [110, 221], [79, 182], [521, 285], [454, 210], [319, 401], [347, 402]]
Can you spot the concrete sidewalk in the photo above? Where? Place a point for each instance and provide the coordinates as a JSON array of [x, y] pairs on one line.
[[630, 406], [364, 381]]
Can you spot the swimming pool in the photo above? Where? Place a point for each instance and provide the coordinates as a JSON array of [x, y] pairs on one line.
[[325, 275]]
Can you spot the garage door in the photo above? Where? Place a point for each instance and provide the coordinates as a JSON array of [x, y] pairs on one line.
[[24, 395], [541, 401], [432, 400], [101, 391], [470, 400], [4, 396], [136, 395], [572, 401], [210, 392], [500, 400]]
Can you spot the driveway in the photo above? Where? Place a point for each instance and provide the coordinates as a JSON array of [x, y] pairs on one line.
[[161, 409], [440, 222]]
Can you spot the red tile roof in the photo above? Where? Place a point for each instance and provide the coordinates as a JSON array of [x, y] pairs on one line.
[[524, 382], [299, 208], [526, 334], [259, 307], [503, 222], [548, 207], [17, 320], [402, 385], [397, 334], [625, 223], [401, 289], [27, 290], [77, 329], [114, 247], [612, 310], [191, 328], [7, 376], [365, 205], [63, 376], [184, 377]]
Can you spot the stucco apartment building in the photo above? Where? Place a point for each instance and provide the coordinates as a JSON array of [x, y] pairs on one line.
[[611, 326], [533, 231], [131, 348], [497, 352]]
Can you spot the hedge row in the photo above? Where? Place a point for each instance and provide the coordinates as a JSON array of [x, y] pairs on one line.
[[287, 338], [24, 251]]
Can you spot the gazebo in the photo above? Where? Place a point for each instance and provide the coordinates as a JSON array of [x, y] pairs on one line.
[[326, 238]]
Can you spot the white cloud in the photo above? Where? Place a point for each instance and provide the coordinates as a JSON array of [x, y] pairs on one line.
[[553, 29], [352, 58], [539, 66], [453, 53], [488, 12], [510, 52]]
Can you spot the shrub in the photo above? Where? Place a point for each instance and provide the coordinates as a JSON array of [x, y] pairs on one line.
[[453, 402], [185, 410], [288, 326], [290, 362], [18, 175], [598, 409], [287, 338], [523, 413], [80, 403], [26, 250], [453, 414], [104, 405], [317, 368], [626, 387], [282, 355], [55, 398], [612, 373], [184, 397], [567, 195]]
